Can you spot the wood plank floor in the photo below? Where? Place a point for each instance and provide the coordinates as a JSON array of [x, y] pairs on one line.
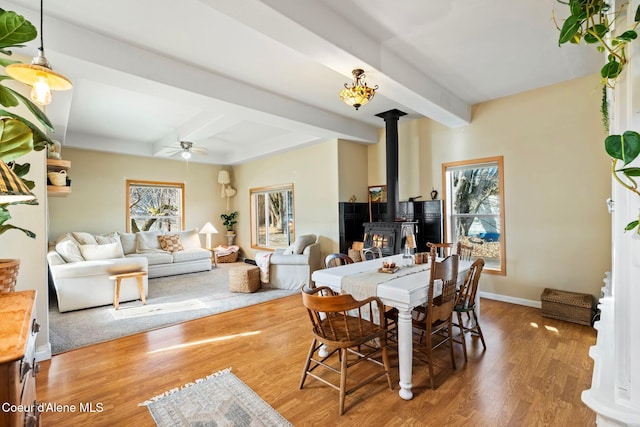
[[531, 374]]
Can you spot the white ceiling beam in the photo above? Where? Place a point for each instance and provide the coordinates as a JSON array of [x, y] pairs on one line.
[[341, 47]]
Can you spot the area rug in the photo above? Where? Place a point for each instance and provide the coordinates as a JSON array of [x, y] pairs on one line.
[[171, 300], [221, 399]]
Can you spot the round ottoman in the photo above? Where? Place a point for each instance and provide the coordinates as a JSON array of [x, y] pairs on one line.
[[244, 278]]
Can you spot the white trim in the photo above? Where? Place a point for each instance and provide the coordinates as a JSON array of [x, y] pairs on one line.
[[512, 300]]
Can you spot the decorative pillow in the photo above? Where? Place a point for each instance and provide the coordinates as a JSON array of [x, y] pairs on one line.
[[128, 241], [84, 238], [302, 242], [147, 240], [190, 239], [68, 249], [170, 242], [107, 238], [100, 252]]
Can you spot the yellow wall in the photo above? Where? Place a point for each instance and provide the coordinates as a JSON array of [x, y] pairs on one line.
[[556, 182], [352, 171], [97, 203], [314, 173]]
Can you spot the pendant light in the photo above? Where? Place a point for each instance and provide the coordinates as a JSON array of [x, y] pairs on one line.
[[39, 74], [358, 93]]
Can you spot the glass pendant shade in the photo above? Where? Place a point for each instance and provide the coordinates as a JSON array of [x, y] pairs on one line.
[[186, 155], [358, 93]]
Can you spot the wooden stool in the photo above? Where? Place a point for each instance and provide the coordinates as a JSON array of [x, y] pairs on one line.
[[118, 278], [244, 278]]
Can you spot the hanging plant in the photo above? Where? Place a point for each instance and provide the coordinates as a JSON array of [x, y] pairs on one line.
[[592, 22]]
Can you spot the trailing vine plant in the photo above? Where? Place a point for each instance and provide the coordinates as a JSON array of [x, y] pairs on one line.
[[592, 21]]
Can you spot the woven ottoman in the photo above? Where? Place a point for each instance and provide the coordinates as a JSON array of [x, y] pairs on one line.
[[568, 306], [244, 278]]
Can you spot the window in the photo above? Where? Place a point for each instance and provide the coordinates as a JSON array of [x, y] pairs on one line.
[[272, 217], [474, 194], [155, 206]]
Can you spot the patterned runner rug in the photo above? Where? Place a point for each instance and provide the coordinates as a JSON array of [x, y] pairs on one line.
[[221, 399]]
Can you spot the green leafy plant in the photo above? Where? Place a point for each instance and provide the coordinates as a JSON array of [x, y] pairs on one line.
[[229, 220], [18, 136], [592, 21]]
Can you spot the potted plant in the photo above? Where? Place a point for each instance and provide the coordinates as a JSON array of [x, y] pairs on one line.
[[229, 220], [18, 136]]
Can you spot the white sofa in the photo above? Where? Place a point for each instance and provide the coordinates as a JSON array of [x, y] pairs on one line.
[[81, 263], [291, 268]]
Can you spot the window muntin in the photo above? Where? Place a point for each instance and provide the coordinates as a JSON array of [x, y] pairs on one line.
[[272, 216], [154, 206], [474, 194]]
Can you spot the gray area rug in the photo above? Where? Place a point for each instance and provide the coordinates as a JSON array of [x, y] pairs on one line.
[[171, 300], [221, 399]]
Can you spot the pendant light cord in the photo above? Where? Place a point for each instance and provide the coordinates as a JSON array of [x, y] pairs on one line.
[[41, 27]]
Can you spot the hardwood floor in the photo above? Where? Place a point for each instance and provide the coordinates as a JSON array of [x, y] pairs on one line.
[[532, 372]]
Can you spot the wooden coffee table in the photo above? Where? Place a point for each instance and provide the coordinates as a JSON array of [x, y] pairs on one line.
[[118, 278]]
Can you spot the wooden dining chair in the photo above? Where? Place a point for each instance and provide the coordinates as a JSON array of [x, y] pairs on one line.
[[337, 322], [443, 250], [464, 251], [373, 252], [432, 322], [466, 303], [334, 260]]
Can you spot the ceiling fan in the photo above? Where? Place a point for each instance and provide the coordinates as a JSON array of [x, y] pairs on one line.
[[186, 149]]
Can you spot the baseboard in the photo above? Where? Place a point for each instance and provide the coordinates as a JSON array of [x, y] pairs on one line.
[[512, 300], [43, 352]]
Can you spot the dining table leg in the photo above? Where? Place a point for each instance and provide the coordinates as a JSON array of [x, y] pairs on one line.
[[405, 352]]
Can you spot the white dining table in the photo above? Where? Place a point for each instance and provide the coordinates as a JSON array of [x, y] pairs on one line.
[[404, 293]]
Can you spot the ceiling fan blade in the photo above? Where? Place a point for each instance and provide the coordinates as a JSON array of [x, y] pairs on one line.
[[200, 151]]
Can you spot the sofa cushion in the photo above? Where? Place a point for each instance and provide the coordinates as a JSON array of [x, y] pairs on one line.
[[84, 238], [147, 240], [170, 242], [128, 241], [155, 257], [69, 250], [190, 239], [191, 255], [101, 252], [300, 243]]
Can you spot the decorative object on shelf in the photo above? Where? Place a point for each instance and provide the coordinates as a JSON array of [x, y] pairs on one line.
[[54, 150], [229, 220], [208, 229], [434, 193], [352, 199], [358, 93], [58, 179], [39, 74]]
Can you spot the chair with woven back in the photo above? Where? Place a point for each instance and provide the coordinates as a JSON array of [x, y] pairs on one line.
[[337, 259], [342, 324], [466, 303], [432, 322]]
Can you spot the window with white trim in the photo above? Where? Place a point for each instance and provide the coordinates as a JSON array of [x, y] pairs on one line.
[[474, 197], [272, 216]]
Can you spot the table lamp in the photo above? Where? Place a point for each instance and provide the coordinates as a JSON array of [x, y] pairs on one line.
[[208, 229]]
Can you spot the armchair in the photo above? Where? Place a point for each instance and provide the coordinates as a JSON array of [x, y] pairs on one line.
[[291, 268]]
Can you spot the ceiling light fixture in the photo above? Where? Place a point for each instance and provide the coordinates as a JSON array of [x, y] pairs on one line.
[[358, 93], [186, 154], [39, 74]]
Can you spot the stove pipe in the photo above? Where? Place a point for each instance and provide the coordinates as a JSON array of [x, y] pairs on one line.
[[391, 130]]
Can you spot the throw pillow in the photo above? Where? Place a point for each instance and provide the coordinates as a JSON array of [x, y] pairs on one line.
[[170, 242], [128, 241], [84, 238], [190, 239], [302, 242], [147, 240], [69, 251], [100, 252]]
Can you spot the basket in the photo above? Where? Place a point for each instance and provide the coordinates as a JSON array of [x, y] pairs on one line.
[[58, 179], [232, 257], [244, 278], [8, 275], [568, 306]]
